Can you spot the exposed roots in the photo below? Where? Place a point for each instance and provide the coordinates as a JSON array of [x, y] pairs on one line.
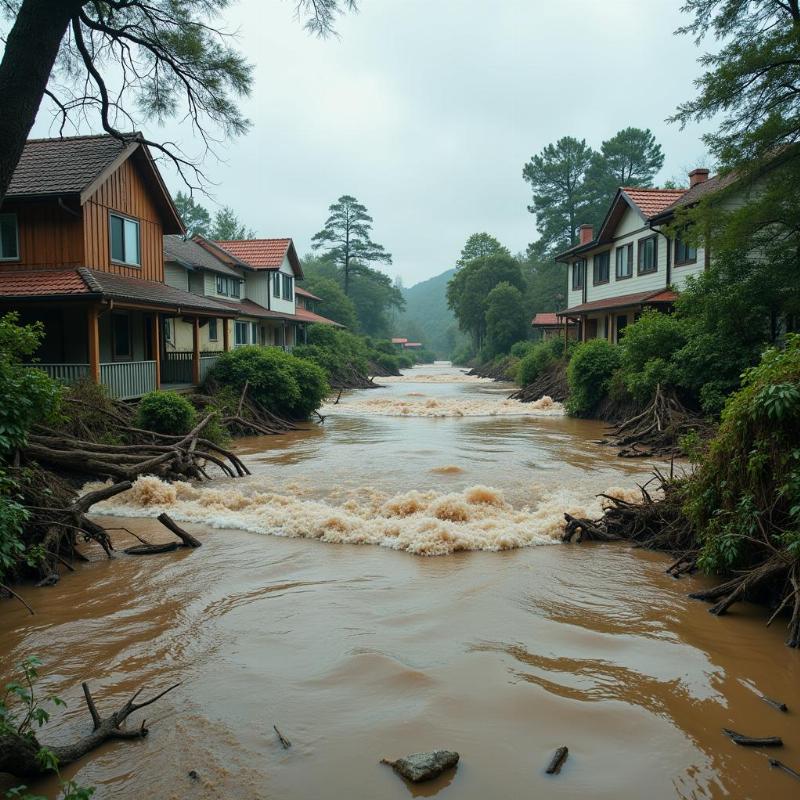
[[552, 382]]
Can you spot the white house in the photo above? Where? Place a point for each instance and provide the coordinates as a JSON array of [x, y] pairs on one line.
[[631, 263]]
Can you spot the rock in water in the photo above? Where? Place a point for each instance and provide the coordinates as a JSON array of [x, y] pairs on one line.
[[424, 766]]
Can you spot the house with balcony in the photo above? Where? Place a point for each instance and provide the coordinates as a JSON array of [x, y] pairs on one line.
[[81, 250], [631, 262], [270, 309]]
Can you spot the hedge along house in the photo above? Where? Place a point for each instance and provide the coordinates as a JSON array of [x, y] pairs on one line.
[[81, 250], [631, 264]]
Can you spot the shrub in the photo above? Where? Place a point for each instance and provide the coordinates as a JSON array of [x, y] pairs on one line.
[[521, 349], [285, 384], [166, 412], [589, 375], [388, 361], [538, 358], [745, 495]]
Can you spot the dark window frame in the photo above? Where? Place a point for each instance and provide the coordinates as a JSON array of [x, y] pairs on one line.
[[287, 287], [222, 286], [13, 216], [683, 262], [640, 269], [579, 271], [276, 284], [629, 249], [115, 356], [124, 260], [239, 325], [617, 328], [213, 330], [595, 280]]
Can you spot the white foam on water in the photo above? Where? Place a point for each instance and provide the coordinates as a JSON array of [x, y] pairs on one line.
[[429, 523], [463, 406]]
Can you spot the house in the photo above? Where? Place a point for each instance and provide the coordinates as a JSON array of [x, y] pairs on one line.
[[631, 263], [399, 342], [549, 325], [81, 250]]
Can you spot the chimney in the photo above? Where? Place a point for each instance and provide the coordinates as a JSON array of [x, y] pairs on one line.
[[699, 175], [587, 233]]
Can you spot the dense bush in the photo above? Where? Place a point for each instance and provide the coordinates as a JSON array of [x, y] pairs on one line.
[[648, 351], [286, 384], [521, 349], [745, 494], [539, 356], [589, 375], [166, 412]]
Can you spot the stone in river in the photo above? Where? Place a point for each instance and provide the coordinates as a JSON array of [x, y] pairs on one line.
[[424, 766]]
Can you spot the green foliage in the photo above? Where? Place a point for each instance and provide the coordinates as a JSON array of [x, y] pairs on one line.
[[195, 217], [166, 412], [285, 384], [35, 395], [589, 375], [469, 288], [227, 226], [479, 245], [538, 356], [649, 347], [13, 516], [21, 714], [746, 492], [506, 318], [335, 304]]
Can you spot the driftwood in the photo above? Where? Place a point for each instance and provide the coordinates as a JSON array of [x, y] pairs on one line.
[[18, 753], [147, 549], [285, 743], [753, 741], [776, 704], [552, 382], [773, 762], [557, 761]]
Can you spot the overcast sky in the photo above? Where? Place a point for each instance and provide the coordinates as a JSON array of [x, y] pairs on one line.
[[426, 112]]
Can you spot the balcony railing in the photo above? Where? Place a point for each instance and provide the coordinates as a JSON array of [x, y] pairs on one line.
[[206, 365], [126, 380], [66, 373]]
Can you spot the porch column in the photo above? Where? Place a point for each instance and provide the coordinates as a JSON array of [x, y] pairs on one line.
[[155, 335], [226, 335], [196, 351], [94, 343]]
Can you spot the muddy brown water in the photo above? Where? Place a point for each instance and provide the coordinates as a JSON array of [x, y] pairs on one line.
[[363, 652]]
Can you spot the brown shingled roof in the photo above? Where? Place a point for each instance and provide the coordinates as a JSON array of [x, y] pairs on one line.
[[43, 283], [62, 166], [698, 192], [636, 299]]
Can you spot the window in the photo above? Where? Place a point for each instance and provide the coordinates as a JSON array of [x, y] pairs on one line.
[[167, 329], [685, 253], [236, 287], [213, 332], [121, 336], [228, 287], [222, 287], [9, 237], [622, 321], [124, 235], [648, 255], [276, 285], [240, 333], [624, 261], [288, 293], [600, 265], [578, 268]]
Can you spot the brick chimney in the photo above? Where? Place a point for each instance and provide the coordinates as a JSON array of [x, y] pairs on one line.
[[587, 233], [699, 175]]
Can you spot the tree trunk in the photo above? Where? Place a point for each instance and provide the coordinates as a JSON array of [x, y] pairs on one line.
[[31, 50]]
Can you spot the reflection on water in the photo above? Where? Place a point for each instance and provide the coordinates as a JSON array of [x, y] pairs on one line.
[[360, 653]]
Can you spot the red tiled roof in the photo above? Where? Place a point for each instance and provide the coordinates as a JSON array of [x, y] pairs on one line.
[[259, 253], [652, 201], [546, 320], [310, 316], [41, 284], [304, 293], [399, 341], [701, 190], [636, 299]]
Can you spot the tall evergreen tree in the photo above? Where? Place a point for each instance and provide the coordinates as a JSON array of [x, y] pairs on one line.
[[345, 238], [557, 180], [228, 226], [195, 217], [479, 245]]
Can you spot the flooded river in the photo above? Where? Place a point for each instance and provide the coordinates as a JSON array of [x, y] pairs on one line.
[[391, 581]]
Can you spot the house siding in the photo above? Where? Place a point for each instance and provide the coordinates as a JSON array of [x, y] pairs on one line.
[[177, 276], [126, 193]]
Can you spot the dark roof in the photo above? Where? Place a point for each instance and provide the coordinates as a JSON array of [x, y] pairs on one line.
[[249, 308], [192, 255], [119, 287], [636, 299], [305, 293], [62, 166], [697, 193]]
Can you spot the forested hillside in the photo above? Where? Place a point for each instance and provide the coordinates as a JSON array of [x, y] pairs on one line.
[[426, 316]]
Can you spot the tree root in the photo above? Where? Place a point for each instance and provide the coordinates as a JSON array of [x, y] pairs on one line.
[[18, 753], [552, 382]]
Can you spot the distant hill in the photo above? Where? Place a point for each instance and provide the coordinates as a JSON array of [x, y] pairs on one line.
[[427, 317]]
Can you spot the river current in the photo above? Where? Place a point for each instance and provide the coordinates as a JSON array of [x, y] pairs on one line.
[[392, 581]]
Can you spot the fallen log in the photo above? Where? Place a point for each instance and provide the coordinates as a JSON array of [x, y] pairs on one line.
[[776, 704], [753, 741], [773, 762], [557, 761], [19, 752], [151, 549], [285, 743], [186, 537]]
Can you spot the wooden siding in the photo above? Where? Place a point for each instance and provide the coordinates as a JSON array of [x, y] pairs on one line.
[[125, 192], [49, 235]]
